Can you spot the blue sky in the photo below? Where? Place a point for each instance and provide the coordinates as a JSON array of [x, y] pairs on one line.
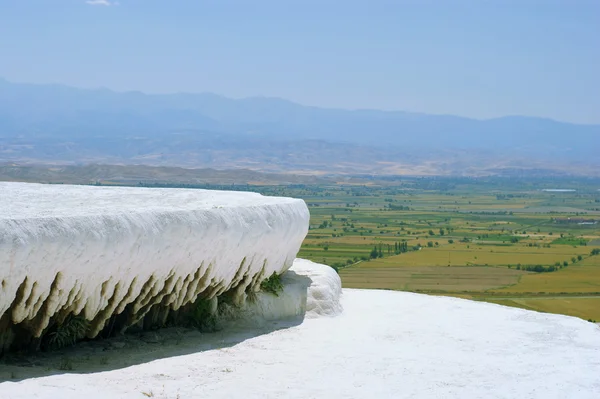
[[474, 58]]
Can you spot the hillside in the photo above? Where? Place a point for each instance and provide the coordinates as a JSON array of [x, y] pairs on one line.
[[135, 174], [53, 123]]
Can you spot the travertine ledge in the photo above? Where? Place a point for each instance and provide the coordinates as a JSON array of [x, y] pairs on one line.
[[120, 254]]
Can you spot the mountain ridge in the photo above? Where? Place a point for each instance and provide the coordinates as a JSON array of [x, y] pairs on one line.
[[57, 123], [282, 100]]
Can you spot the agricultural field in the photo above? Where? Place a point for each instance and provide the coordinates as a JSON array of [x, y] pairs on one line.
[[500, 242], [429, 278]]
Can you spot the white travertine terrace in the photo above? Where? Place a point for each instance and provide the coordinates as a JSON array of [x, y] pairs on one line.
[[310, 290], [94, 251]]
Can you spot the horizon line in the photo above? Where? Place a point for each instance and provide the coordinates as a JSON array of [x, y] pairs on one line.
[[297, 103]]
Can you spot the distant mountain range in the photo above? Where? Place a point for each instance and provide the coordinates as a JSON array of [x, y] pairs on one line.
[[60, 124]]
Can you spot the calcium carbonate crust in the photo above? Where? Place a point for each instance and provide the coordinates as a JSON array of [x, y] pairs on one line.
[[98, 251], [310, 290], [325, 289]]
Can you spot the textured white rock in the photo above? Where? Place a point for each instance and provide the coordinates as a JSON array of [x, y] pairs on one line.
[[384, 344], [72, 249], [324, 291], [309, 290]]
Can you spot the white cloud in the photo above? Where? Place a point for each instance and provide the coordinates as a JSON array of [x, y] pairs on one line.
[[102, 3]]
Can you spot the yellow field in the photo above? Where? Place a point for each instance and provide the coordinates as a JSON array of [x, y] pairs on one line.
[[584, 276], [430, 278], [460, 255], [427, 270]]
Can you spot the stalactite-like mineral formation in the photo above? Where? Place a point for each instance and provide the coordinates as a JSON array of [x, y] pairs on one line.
[[118, 257]]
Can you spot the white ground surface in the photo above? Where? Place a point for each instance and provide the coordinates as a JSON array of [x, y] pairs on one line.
[[96, 249], [383, 345]]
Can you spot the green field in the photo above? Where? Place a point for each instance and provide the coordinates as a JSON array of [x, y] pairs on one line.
[[494, 241], [430, 278]]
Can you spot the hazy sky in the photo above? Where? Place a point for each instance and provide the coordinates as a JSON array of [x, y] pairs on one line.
[[474, 58]]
